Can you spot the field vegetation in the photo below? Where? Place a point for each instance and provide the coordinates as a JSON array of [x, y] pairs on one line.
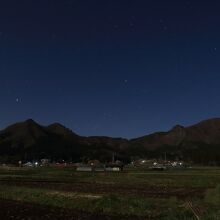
[[131, 194]]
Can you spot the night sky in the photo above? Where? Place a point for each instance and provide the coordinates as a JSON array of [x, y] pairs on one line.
[[110, 67]]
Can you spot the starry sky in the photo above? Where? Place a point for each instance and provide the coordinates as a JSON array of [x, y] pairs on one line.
[[121, 68]]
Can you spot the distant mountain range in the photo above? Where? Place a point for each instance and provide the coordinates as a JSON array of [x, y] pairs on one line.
[[28, 140]]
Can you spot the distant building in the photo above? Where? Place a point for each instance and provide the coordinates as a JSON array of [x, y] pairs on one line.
[[45, 162], [99, 168], [114, 167], [28, 164], [82, 168]]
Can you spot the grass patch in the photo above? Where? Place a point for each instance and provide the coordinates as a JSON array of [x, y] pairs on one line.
[[213, 196], [207, 178], [108, 204], [165, 209]]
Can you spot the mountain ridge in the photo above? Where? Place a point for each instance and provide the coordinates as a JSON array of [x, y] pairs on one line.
[[30, 140]]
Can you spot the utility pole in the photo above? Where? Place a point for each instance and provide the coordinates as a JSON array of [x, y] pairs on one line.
[[113, 157], [165, 157]]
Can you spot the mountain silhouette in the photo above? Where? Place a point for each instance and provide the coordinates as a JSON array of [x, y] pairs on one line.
[[28, 141]]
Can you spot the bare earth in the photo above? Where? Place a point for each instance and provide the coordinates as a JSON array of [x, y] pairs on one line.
[[98, 188], [29, 211]]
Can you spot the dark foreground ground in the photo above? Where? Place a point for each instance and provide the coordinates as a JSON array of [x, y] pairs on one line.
[[49, 193], [26, 211], [142, 191]]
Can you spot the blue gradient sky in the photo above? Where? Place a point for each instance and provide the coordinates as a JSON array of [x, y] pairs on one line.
[[115, 68]]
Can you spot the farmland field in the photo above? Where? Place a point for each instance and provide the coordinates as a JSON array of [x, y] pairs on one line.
[[62, 193]]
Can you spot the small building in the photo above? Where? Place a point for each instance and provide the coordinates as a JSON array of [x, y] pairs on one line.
[[84, 168], [99, 168], [45, 162], [158, 166], [28, 164], [114, 167]]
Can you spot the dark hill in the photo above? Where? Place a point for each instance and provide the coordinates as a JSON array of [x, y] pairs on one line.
[[28, 140], [200, 142], [59, 129], [23, 133], [207, 132]]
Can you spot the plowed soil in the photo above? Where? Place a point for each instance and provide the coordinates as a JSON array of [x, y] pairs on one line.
[[98, 188]]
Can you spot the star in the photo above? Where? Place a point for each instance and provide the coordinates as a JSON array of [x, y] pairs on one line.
[[17, 100]]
